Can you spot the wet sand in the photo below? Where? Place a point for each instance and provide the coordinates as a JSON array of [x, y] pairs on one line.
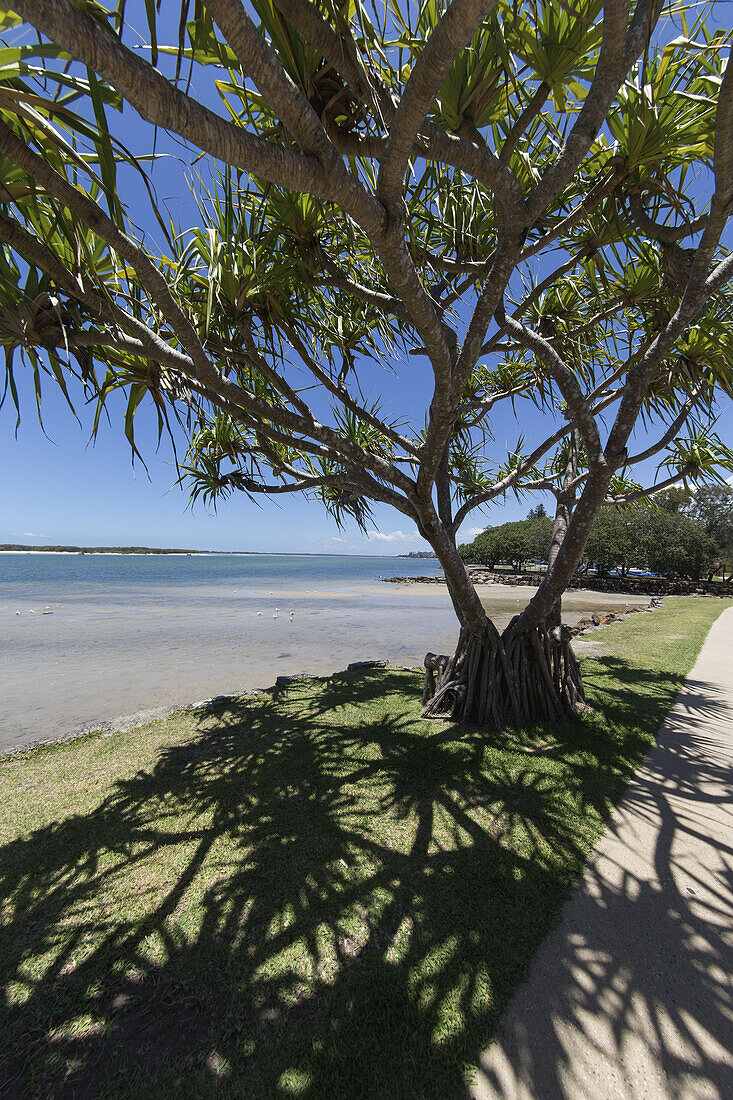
[[93, 660]]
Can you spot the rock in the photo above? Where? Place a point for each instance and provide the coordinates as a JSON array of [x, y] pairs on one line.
[[413, 580], [365, 664], [284, 681]]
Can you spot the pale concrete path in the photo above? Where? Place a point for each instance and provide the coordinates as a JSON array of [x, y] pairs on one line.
[[632, 995]]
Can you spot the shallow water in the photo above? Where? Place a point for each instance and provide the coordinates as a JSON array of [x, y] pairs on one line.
[[130, 633]]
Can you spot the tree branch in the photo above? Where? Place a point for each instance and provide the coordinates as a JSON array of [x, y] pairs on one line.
[[242, 481], [160, 103], [660, 444], [377, 490], [536, 293], [211, 381], [640, 494], [699, 287], [94, 217], [38, 253], [514, 476], [503, 263], [567, 383], [526, 118], [718, 278], [454, 30], [422, 310], [672, 431], [385, 302], [667, 234], [260, 63], [478, 162], [435, 144], [594, 198], [341, 53], [619, 50], [450, 387], [346, 400], [273, 377]]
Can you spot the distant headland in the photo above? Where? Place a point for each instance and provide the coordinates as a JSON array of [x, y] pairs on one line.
[[17, 548], [23, 548]]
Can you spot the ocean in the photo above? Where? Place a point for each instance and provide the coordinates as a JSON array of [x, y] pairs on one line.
[[125, 634], [128, 633], [149, 573]]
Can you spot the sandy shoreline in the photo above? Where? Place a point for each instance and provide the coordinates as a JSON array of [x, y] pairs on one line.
[[93, 660]]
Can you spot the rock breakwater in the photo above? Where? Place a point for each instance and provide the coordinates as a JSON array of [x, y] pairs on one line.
[[633, 586]]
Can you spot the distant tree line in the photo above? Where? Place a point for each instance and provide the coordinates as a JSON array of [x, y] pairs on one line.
[[512, 544], [19, 547], [676, 534]]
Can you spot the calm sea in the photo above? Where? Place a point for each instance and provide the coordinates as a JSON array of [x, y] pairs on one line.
[[130, 633], [30, 575], [127, 633]]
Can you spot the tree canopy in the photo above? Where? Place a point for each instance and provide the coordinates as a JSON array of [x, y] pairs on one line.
[[658, 537], [712, 507], [511, 543], [489, 197], [662, 536]]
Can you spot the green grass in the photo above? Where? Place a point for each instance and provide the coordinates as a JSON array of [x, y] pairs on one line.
[[313, 893]]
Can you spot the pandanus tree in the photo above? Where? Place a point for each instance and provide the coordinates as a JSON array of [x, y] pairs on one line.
[[515, 205]]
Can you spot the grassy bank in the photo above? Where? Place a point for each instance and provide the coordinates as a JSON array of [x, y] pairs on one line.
[[311, 893]]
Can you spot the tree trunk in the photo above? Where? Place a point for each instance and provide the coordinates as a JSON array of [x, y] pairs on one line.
[[514, 679], [563, 513], [525, 675]]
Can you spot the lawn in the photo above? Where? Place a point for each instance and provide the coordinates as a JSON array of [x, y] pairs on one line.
[[310, 892]]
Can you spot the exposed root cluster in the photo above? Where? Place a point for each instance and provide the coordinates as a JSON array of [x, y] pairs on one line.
[[514, 679]]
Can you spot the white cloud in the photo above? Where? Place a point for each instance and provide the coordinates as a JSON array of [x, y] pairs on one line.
[[471, 532], [335, 542], [393, 536]]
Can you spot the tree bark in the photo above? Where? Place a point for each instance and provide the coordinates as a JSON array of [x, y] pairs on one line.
[[563, 512], [523, 676]]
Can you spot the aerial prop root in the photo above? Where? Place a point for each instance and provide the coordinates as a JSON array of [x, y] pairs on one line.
[[514, 679]]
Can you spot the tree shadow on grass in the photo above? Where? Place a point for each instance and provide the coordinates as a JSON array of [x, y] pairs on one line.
[[316, 895]]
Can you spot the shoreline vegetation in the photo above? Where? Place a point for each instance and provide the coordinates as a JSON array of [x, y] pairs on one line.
[[286, 893], [19, 548]]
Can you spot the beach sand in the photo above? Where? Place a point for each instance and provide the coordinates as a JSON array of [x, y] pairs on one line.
[[92, 661]]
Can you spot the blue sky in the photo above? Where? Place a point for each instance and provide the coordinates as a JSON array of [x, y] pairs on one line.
[[61, 488], [58, 487]]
